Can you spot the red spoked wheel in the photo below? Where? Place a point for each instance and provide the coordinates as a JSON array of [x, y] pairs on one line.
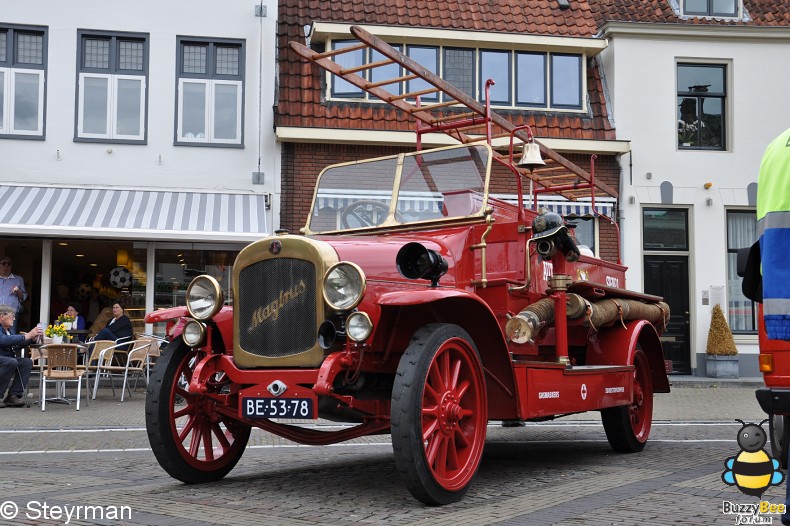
[[190, 438], [439, 414], [628, 427]]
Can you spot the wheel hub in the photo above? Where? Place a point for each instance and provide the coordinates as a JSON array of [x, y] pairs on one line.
[[450, 413]]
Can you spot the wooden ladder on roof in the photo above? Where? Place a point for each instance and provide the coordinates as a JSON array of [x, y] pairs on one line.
[[559, 176]]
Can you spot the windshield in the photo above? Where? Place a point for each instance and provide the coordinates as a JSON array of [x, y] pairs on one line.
[[424, 186]]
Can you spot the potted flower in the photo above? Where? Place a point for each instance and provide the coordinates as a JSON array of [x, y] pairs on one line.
[[66, 319], [722, 354], [57, 332]]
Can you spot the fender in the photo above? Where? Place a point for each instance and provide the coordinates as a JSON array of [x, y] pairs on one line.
[[163, 315], [179, 315], [615, 346], [430, 305], [403, 298]]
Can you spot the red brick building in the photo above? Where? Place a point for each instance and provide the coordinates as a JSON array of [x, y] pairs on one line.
[[540, 53]]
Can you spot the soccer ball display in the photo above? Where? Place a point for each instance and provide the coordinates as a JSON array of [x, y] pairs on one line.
[[120, 277]]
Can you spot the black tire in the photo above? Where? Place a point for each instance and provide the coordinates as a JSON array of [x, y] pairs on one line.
[[210, 444], [439, 414], [628, 426], [780, 437]]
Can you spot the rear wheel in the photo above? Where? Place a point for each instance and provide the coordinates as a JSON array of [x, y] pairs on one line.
[[192, 441], [439, 414], [627, 427], [780, 437]]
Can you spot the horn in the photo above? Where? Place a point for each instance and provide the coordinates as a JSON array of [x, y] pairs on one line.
[[530, 156]]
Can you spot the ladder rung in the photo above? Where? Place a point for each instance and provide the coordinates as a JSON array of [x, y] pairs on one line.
[[413, 94], [327, 54], [371, 65], [561, 177], [470, 127], [391, 81], [454, 116], [434, 106], [549, 169]]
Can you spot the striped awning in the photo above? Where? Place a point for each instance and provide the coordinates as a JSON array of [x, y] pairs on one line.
[[429, 202], [127, 213], [581, 208]]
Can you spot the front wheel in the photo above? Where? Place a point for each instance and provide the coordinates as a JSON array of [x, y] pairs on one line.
[[439, 414], [780, 437], [627, 427], [192, 441]]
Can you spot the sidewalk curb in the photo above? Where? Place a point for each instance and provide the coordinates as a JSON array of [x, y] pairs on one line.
[[701, 382]]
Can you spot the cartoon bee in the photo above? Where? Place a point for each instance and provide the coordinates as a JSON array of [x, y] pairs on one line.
[[752, 470]]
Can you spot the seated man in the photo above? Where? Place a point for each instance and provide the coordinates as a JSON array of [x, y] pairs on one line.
[[12, 367]]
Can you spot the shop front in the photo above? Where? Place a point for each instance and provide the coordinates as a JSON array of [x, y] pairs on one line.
[[144, 254]]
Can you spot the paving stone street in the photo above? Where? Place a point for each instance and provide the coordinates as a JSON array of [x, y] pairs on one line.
[[561, 472]]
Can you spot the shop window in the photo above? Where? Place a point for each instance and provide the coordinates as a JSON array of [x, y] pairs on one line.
[[177, 266], [93, 274], [23, 65]]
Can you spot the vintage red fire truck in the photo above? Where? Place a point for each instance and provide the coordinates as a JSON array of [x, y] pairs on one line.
[[416, 303]]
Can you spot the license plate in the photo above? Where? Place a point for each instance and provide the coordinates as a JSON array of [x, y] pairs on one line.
[[277, 407]]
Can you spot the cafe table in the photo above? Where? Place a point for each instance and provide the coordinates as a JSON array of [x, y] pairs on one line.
[[78, 335]]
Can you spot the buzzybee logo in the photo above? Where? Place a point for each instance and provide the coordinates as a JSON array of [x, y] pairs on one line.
[[752, 470]]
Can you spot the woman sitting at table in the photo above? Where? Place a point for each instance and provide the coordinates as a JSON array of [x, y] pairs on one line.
[[119, 326], [79, 321]]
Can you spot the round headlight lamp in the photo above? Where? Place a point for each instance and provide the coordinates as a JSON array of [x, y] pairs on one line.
[[194, 333], [359, 326], [204, 297], [344, 286]]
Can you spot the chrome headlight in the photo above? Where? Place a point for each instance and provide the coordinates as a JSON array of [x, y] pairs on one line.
[[344, 286], [359, 326], [194, 333], [204, 297]]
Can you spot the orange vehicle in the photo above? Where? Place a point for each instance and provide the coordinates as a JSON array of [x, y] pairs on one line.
[[416, 303]]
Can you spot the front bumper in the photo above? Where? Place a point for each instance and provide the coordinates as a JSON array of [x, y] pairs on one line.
[[774, 400]]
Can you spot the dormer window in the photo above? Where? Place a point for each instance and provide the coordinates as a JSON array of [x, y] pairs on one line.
[[728, 8]]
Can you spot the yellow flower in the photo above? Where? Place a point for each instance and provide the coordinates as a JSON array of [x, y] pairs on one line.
[[55, 330]]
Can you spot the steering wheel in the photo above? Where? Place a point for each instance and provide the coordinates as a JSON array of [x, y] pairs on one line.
[[366, 212]]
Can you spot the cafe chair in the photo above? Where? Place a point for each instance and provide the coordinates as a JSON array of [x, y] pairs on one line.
[[102, 359], [61, 366], [138, 363]]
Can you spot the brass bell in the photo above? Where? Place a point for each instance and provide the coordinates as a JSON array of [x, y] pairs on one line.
[[530, 156]]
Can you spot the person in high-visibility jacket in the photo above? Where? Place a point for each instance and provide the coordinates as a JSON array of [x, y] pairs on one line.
[[773, 229]]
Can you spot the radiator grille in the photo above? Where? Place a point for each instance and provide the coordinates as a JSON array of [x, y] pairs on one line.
[[277, 307]]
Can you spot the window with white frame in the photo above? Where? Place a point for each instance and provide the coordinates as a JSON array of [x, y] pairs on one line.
[[722, 8], [210, 92], [741, 233], [23, 62], [521, 79], [112, 80]]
